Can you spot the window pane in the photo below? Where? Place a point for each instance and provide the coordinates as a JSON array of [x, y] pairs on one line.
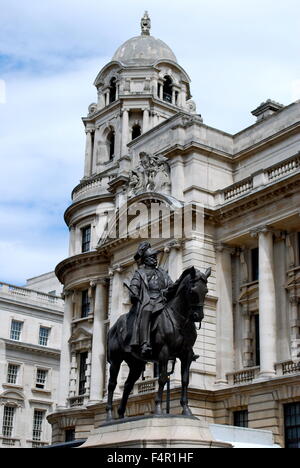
[[8, 421], [38, 418], [15, 331], [240, 418], [70, 434], [12, 373], [292, 425], [86, 239], [44, 335], [41, 376], [85, 304]]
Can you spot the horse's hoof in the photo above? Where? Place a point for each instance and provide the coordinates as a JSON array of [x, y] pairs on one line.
[[187, 412], [158, 411], [109, 416]]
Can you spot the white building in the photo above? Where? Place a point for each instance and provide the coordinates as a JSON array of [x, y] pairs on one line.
[[30, 341], [247, 188]]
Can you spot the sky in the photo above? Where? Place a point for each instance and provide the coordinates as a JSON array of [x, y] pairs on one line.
[[238, 53]]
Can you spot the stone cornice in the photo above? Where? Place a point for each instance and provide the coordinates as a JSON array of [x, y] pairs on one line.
[[84, 203], [79, 261], [269, 141], [31, 348]]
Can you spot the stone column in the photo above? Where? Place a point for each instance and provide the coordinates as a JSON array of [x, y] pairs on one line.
[[72, 241], [99, 342], [267, 304], [177, 177], [173, 96], [88, 153], [145, 120], [95, 148], [116, 304], [125, 130], [65, 357], [225, 337], [175, 267]]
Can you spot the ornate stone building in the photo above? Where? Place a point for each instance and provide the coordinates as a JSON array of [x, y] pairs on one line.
[[148, 147], [30, 337]]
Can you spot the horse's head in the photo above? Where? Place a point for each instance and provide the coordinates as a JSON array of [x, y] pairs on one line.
[[195, 290]]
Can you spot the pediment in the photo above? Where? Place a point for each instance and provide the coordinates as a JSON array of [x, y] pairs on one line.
[[80, 334], [294, 281], [249, 294], [12, 398]]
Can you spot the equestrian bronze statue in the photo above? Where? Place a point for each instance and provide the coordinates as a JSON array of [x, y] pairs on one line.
[[159, 327]]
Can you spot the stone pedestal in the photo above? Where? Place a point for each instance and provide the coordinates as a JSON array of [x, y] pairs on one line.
[[154, 432]]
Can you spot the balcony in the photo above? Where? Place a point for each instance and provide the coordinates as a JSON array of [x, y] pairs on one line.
[[288, 368], [258, 181], [243, 377]]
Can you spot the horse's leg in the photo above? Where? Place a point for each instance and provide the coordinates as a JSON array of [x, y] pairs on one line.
[[113, 379], [185, 378], [163, 377], [135, 370]]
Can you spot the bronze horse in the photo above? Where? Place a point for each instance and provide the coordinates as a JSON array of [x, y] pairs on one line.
[[173, 336]]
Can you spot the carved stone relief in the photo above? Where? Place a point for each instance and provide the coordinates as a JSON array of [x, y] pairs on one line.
[[151, 175]]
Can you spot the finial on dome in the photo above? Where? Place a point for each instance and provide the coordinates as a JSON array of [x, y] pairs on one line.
[[145, 24]]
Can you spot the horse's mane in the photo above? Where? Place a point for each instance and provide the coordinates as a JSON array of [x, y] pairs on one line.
[[178, 285]]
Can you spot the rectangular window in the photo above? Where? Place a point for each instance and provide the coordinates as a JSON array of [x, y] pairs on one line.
[[255, 264], [16, 329], [86, 239], [8, 421], [82, 372], [70, 434], [85, 304], [12, 373], [292, 425], [44, 336], [41, 377], [240, 418], [38, 419]]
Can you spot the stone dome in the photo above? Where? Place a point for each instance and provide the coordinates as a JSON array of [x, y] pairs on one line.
[[144, 49]]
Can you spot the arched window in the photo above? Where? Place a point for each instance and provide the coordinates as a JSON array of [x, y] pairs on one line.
[[136, 131], [112, 90], [167, 89], [111, 144]]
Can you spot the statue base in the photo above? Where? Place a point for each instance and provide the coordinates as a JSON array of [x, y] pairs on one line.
[[167, 431]]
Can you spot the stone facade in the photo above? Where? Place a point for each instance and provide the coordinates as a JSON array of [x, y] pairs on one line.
[[30, 341], [147, 146]]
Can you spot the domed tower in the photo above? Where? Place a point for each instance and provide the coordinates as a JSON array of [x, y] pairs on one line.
[[141, 87]]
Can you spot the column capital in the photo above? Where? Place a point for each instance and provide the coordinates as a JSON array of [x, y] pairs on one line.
[[220, 247], [68, 293], [89, 130], [102, 281], [115, 269], [175, 244], [264, 229]]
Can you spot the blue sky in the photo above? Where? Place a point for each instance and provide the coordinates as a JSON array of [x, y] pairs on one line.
[[238, 53]]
